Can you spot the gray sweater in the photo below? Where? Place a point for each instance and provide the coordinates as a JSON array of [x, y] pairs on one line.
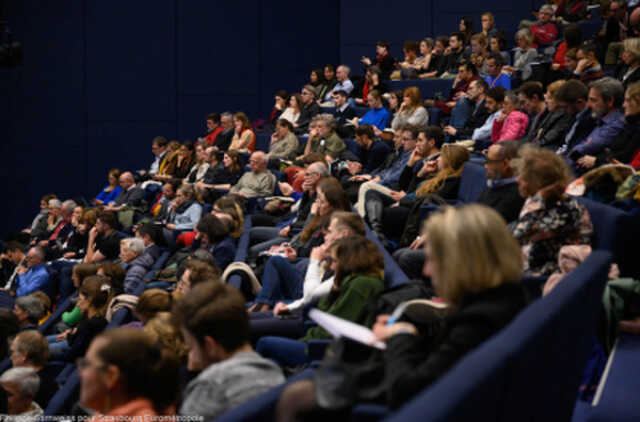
[[230, 383]]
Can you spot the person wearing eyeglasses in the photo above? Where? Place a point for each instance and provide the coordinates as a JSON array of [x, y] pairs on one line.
[[545, 32], [34, 275]]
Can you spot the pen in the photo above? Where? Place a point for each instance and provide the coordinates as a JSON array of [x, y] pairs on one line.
[[396, 313]]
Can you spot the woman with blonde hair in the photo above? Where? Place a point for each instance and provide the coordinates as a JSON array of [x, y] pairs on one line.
[[475, 267], [631, 58], [549, 219], [411, 111], [244, 139], [165, 333]]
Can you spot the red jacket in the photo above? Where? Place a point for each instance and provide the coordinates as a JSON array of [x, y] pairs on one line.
[[512, 128], [211, 138], [544, 34]]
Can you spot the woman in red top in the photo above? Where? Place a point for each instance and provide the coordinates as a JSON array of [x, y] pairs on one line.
[[243, 139]]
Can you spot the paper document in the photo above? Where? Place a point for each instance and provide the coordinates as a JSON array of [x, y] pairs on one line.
[[339, 327]]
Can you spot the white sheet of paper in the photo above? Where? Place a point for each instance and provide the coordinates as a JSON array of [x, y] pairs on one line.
[[339, 327]]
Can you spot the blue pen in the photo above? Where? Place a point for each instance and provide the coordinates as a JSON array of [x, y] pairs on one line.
[[397, 313]]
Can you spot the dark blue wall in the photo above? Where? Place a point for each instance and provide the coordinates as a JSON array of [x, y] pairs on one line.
[[101, 78]]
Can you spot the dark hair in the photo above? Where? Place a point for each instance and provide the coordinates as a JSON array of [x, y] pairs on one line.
[[470, 67], [84, 270], [285, 123], [161, 141], [330, 66], [531, 88], [282, 94], [115, 275], [211, 225], [481, 83], [502, 39], [357, 255], [34, 346], [351, 221], [341, 92], [151, 302], [319, 74], [108, 218], [435, 133], [214, 310], [497, 57], [214, 117], [412, 129], [200, 271], [337, 199], [366, 130], [98, 291], [411, 45], [459, 35], [9, 326], [588, 47], [468, 28], [383, 43], [236, 164], [147, 370], [572, 91], [443, 39], [14, 245], [149, 229], [573, 35], [497, 93]]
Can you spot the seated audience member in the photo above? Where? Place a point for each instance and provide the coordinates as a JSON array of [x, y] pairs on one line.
[[498, 45], [411, 112], [135, 262], [292, 112], [372, 81], [21, 385], [213, 128], [281, 101], [150, 303], [329, 77], [224, 138], [287, 263], [551, 129], [453, 54], [343, 115], [423, 62], [511, 124], [54, 218], [111, 192], [104, 242], [480, 286], [114, 274], [215, 326], [161, 154], [631, 59], [316, 79], [436, 59], [13, 259], [78, 274], [572, 38], [149, 235], [200, 167], [479, 53], [525, 54], [34, 275], [159, 208], [482, 135], [309, 110], [46, 304], [28, 310], [130, 199], [93, 297], [184, 213], [387, 176], [213, 235], [373, 150], [624, 146], [65, 228], [323, 139], [572, 10], [377, 115], [343, 84], [549, 218], [408, 66], [220, 176], [605, 97], [139, 377], [31, 350], [171, 160], [185, 160], [196, 271], [75, 244], [588, 68], [495, 76], [465, 27], [359, 270], [167, 335], [244, 139], [39, 224], [488, 24], [258, 182], [284, 143], [531, 96], [545, 32], [383, 60], [471, 110], [467, 73], [573, 96]]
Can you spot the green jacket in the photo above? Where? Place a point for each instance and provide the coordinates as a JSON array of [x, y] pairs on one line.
[[349, 303], [332, 146]]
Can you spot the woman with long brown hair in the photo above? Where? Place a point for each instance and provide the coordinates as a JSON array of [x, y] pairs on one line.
[[244, 140], [411, 111]]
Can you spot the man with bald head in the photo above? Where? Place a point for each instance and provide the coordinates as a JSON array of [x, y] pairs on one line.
[[259, 181], [131, 194]]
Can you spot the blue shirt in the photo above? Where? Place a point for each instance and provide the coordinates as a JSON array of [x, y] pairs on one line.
[[602, 136], [346, 86], [109, 197], [34, 279], [503, 80], [376, 117], [390, 176]]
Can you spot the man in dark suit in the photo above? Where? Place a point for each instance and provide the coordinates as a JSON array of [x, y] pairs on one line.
[[475, 97], [573, 97], [344, 114]]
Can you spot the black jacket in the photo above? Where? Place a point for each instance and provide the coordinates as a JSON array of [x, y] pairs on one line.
[[306, 114], [479, 115], [505, 199], [625, 144], [553, 129], [414, 362]]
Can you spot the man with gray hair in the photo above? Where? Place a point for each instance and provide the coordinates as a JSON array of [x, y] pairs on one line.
[[545, 32], [61, 232], [28, 310], [34, 276], [224, 138], [605, 98], [323, 139], [308, 111], [135, 262], [259, 181], [21, 385], [344, 83]]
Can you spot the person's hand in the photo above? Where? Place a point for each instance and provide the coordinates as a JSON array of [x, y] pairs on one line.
[[509, 68], [281, 309], [284, 232], [69, 255], [43, 243], [329, 159], [320, 252], [447, 51], [354, 167], [414, 157], [285, 188], [631, 326], [359, 101], [242, 194], [583, 64], [451, 104], [290, 253], [418, 243], [200, 185], [63, 335], [587, 161], [503, 115], [397, 195], [403, 106], [355, 121], [395, 204], [313, 133], [97, 201], [21, 270], [383, 332], [377, 131], [450, 130], [365, 61], [171, 226], [428, 167], [93, 232], [555, 66], [274, 137], [429, 103]]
